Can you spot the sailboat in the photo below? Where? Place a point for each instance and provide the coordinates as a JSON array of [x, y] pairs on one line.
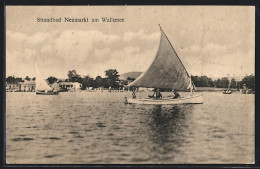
[[166, 72], [42, 88], [228, 91]]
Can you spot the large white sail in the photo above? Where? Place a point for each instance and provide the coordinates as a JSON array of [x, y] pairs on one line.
[[41, 84], [166, 71]]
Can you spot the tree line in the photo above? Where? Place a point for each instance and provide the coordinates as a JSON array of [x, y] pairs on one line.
[[204, 81], [112, 80], [16, 80]]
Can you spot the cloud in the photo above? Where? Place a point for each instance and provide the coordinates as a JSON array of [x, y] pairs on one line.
[[21, 39], [20, 63], [16, 36], [217, 60], [182, 32], [131, 59], [76, 45], [46, 48], [102, 54], [212, 50], [128, 36], [91, 52], [39, 37], [86, 51]]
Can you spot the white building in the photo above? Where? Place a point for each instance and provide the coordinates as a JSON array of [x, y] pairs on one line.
[[145, 89], [70, 85]]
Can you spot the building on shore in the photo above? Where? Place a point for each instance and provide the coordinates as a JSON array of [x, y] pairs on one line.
[[11, 87], [26, 86], [66, 86], [29, 86], [146, 89]]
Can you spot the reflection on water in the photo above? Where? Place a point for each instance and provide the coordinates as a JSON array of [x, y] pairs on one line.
[[167, 127], [99, 128]]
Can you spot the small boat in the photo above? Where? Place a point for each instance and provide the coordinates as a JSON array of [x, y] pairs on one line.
[[247, 91], [226, 91], [46, 93], [16, 90], [166, 72], [42, 87]]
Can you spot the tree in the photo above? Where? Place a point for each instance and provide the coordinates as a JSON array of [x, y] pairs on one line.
[[105, 83], [111, 83], [13, 80], [33, 78], [195, 80], [74, 77], [202, 81], [112, 74], [211, 83], [27, 78], [233, 83], [217, 83], [52, 80], [112, 78], [10, 79], [18, 79], [249, 81], [87, 81], [240, 85], [224, 82], [98, 82]]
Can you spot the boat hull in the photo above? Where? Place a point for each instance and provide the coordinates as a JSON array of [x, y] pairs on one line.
[[46, 93], [226, 92], [193, 99]]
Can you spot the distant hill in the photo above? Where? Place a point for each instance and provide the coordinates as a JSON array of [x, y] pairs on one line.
[[134, 75]]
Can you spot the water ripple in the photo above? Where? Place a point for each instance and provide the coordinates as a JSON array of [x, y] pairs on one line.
[[92, 128]]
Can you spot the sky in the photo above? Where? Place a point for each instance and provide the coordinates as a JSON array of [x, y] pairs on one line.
[[215, 41]]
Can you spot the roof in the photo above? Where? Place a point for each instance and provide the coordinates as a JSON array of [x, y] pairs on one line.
[[68, 83]]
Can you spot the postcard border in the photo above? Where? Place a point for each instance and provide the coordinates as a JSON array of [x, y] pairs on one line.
[[128, 2]]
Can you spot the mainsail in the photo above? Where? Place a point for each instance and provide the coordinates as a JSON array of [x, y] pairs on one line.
[[41, 84], [166, 71]]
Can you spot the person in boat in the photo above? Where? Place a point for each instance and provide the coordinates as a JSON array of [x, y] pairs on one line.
[[157, 94], [176, 94], [133, 94], [154, 94]]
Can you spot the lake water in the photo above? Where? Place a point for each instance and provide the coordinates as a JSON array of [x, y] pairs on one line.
[[98, 128]]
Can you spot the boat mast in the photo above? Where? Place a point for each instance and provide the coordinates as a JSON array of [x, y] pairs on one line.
[[191, 85]]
